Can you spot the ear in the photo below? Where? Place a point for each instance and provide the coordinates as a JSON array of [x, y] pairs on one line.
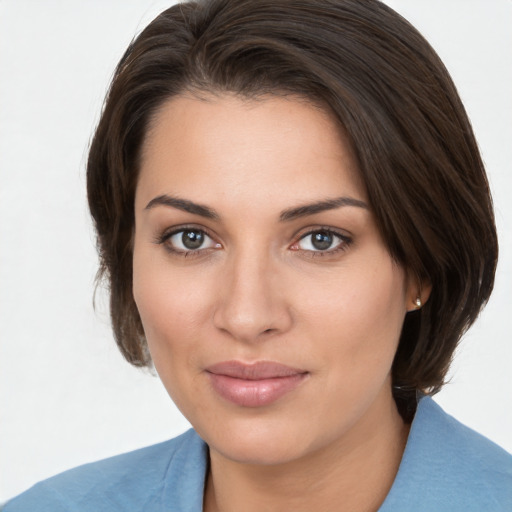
[[418, 293]]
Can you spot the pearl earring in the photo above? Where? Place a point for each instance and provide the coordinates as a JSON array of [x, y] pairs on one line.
[[417, 302]]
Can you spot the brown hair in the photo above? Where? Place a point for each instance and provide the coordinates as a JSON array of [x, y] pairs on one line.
[[389, 90]]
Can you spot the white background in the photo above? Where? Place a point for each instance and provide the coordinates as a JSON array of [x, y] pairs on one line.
[[66, 395]]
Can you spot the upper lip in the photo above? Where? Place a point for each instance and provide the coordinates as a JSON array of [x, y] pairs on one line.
[[253, 371]]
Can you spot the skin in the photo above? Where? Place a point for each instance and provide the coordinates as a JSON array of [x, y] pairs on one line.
[[258, 290]]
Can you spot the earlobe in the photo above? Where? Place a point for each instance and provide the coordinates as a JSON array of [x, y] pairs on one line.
[[419, 294]]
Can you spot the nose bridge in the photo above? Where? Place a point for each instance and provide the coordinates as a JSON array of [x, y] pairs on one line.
[[250, 304]]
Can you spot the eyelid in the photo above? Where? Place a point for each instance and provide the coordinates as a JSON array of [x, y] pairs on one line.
[[164, 237], [344, 236], [342, 233]]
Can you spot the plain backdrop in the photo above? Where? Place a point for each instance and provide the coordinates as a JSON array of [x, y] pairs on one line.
[[66, 395]]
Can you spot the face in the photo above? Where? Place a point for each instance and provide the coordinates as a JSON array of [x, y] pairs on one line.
[[271, 306]]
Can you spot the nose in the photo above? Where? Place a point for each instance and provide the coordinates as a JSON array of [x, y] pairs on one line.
[[252, 304]]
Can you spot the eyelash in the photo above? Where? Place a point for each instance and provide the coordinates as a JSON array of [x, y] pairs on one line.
[[167, 235], [344, 244]]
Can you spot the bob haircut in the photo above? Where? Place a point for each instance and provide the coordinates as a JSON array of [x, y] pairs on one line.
[[390, 93]]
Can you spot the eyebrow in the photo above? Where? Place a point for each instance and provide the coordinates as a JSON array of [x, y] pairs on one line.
[[183, 204], [321, 206], [285, 216]]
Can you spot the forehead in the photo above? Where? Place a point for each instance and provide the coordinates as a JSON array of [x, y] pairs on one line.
[[264, 150]]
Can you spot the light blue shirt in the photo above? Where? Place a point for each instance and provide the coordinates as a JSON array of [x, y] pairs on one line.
[[446, 467]]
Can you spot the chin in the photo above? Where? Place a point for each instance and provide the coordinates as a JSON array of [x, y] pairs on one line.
[[271, 442], [260, 451]]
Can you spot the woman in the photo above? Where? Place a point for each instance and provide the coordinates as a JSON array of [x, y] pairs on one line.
[[296, 226]]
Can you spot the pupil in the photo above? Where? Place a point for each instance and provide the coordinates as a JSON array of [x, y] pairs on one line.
[[322, 240], [192, 239]]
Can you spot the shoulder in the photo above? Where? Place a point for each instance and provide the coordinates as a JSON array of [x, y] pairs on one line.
[[131, 481], [447, 466], [455, 447]]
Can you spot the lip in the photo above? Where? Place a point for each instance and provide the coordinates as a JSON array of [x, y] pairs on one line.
[[254, 385]]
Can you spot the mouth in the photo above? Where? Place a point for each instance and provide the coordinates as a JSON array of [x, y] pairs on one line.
[[254, 385]]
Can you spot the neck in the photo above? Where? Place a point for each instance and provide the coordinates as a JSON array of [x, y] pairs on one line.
[[354, 473]]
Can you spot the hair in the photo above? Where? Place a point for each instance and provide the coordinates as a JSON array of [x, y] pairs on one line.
[[394, 98]]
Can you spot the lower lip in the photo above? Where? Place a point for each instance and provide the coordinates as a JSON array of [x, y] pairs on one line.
[[254, 393]]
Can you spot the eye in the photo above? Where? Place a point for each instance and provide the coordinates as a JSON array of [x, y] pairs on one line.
[[188, 240], [321, 240]]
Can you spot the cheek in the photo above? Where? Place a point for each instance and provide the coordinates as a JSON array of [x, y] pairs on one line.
[[356, 325], [172, 309], [363, 307], [170, 303], [379, 302]]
